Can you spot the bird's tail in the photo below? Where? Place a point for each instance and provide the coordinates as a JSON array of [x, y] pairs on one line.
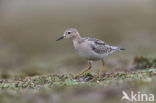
[[117, 48], [122, 49]]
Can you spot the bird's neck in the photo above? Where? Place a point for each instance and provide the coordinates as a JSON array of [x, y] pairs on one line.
[[76, 42], [76, 38]]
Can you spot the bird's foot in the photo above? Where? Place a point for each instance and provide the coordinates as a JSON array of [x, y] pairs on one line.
[[97, 76]]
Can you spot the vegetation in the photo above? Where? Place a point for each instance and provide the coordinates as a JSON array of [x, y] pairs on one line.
[[64, 88]]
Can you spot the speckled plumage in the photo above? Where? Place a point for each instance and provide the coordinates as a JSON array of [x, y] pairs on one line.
[[90, 48]]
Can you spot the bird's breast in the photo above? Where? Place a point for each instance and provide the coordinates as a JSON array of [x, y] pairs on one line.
[[84, 50]]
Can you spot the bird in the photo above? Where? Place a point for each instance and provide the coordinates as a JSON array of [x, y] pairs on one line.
[[91, 49]]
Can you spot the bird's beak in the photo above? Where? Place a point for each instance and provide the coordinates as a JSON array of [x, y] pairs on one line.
[[62, 37]]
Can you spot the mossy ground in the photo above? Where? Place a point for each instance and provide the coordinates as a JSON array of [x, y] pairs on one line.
[[66, 89], [45, 86]]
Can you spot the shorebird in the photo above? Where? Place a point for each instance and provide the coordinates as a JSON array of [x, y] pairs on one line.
[[90, 48]]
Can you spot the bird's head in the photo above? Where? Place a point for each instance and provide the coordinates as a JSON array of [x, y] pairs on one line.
[[69, 33]]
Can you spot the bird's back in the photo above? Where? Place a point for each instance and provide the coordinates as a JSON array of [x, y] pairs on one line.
[[100, 46]]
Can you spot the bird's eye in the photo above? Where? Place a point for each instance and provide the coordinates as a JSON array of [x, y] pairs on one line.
[[68, 32]]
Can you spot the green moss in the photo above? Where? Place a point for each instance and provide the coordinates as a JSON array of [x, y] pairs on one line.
[[52, 81]]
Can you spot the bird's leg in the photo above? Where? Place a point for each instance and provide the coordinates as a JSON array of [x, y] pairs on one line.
[[101, 69], [85, 70]]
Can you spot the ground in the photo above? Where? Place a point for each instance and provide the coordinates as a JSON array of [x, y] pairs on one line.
[[66, 89]]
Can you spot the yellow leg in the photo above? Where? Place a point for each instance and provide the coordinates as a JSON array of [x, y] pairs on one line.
[[101, 69], [85, 70]]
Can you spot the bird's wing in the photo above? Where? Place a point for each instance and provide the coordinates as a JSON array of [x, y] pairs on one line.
[[100, 47]]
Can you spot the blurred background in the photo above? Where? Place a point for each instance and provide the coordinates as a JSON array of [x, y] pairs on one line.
[[29, 29]]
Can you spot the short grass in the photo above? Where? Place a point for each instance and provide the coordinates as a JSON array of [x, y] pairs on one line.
[[86, 88], [67, 89]]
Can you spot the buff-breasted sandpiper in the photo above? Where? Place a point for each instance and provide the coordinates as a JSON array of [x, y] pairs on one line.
[[90, 48]]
